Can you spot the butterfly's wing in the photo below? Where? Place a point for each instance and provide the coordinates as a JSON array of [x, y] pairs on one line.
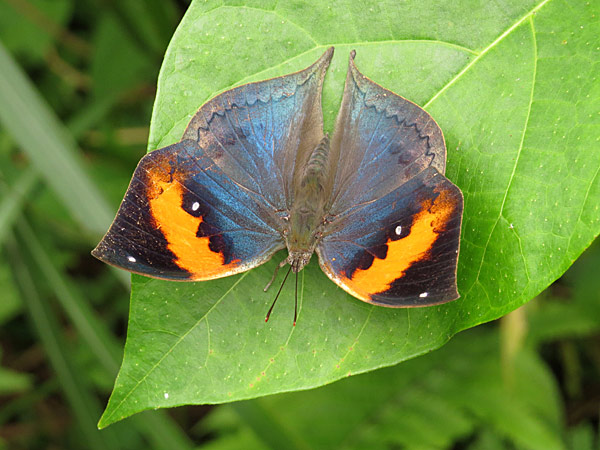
[[260, 132], [393, 231], [381, 140], [400, 250], [212, 204], [183, 218]]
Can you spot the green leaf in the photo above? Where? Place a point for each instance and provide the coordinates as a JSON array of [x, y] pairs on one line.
[[433, 402], [582, 438], [575, 316], [514, 89], [12, 382]]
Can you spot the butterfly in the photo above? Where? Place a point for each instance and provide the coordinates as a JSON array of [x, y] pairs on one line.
[[254, 173]]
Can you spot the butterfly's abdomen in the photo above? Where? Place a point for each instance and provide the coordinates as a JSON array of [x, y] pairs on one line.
[[318, 163]]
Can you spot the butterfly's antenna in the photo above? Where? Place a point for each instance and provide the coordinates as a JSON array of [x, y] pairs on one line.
[[277, 296], [281, 264], [296, 301]]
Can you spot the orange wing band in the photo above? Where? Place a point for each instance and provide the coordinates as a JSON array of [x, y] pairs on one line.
[[179, 228], [403, 253]]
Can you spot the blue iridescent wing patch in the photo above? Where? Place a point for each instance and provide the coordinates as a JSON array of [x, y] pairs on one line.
[[381, 141]]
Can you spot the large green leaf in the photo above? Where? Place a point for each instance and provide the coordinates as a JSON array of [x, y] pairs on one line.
[[428, 403], [514, 88]]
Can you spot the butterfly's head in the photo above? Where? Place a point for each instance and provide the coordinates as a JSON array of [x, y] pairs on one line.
[[298, 259]]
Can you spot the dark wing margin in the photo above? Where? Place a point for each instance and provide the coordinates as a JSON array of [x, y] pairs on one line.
[[400, 250], [183, 219], [381, 140]]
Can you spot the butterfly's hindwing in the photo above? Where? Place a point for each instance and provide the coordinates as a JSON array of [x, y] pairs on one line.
[[402, 249]]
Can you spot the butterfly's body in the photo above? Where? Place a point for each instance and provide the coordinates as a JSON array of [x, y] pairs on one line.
[[307, 215], [255, 173]]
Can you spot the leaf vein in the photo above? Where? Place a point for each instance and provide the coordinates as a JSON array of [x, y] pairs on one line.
[[167, 353], [485, 51], [517, 158], [355, 340]]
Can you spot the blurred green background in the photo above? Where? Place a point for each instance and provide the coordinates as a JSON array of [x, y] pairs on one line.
[[77, 83]]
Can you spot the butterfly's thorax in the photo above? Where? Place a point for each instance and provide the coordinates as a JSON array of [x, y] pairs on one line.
[[308, 207]]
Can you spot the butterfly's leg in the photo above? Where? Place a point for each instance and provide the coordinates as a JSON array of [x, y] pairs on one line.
[[281, 264]]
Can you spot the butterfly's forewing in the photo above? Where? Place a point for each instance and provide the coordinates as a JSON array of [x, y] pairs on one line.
[[260, 132], [210, 205], [381, 140], [183, 218], [400, 250]]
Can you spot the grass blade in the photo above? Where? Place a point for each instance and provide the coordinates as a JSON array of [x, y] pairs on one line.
[[97, 337], [52, 151], [84, 406], [155, 425], [13, 199]]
